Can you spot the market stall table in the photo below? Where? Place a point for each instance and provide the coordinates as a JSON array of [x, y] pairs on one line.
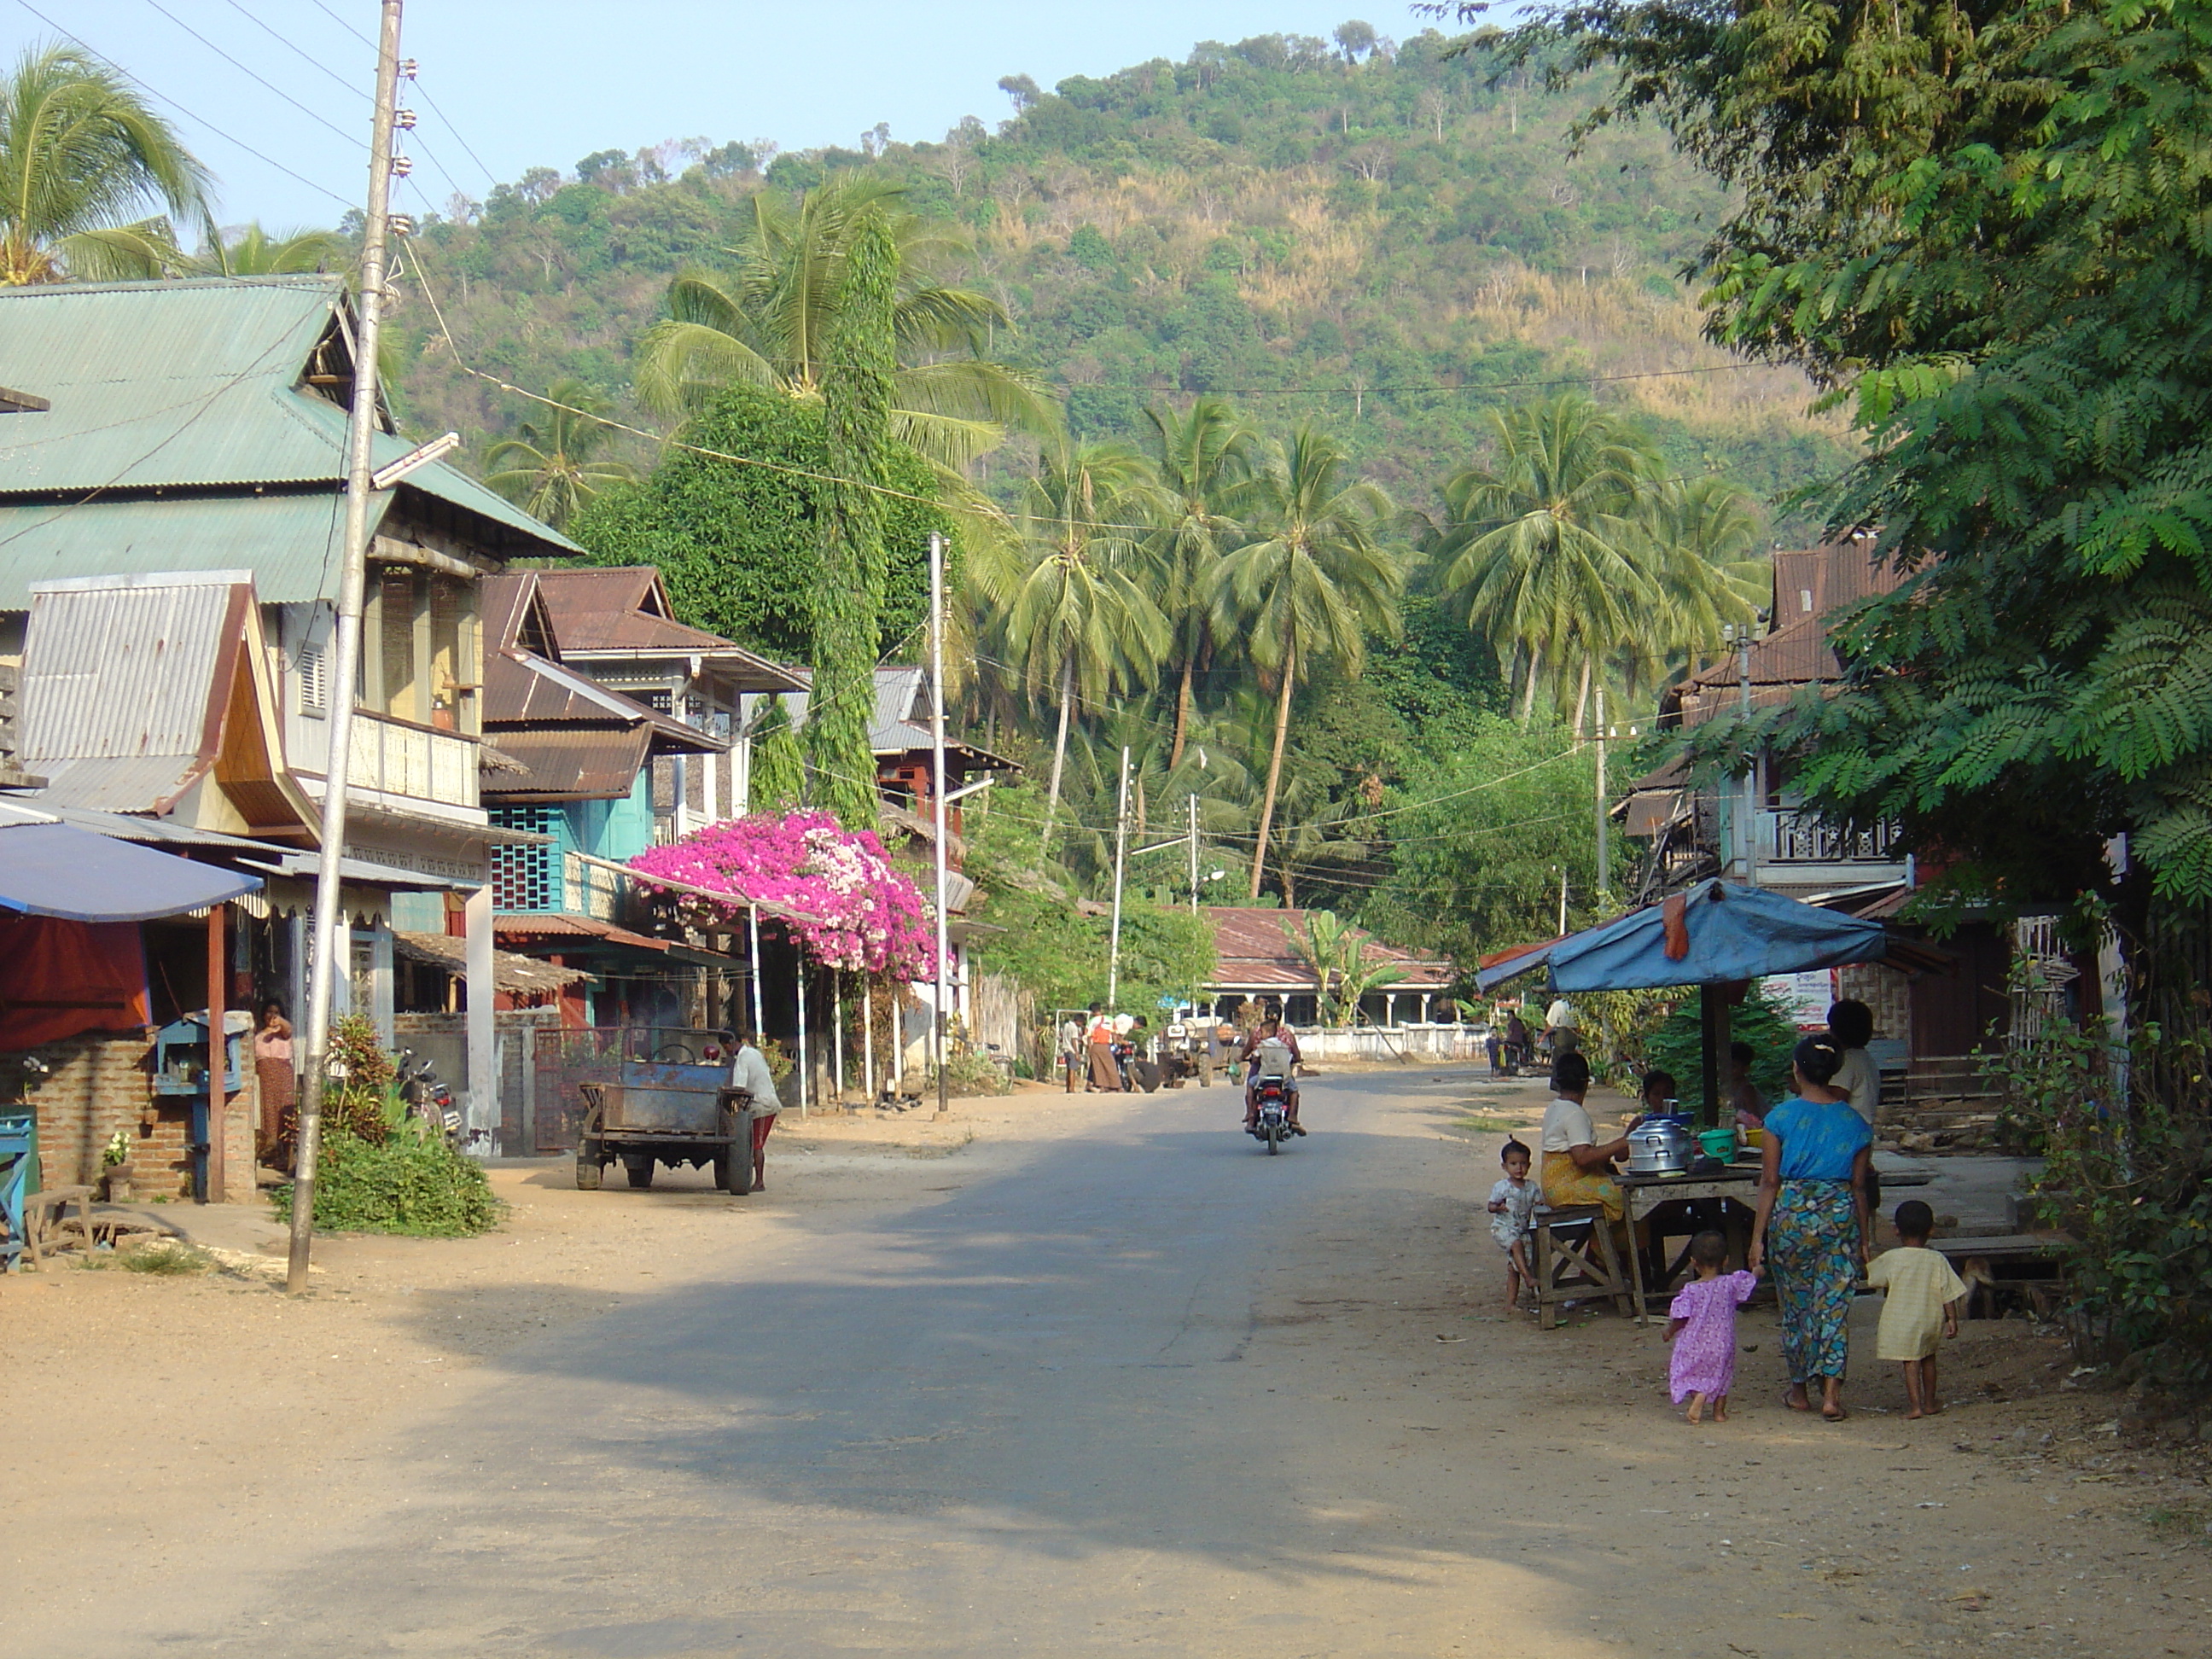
[[1646, 1195]]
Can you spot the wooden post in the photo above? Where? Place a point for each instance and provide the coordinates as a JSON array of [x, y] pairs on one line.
[[218, 1101], [1713, 1016]]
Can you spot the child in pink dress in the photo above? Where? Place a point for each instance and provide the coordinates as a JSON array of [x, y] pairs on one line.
[[1701, 1324]]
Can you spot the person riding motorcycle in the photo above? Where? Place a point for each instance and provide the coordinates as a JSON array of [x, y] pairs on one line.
[[1271, 1051]]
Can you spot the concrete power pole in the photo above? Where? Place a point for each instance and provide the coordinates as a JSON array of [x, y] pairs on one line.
[[937, 795], [1121, 861], [345, 665], [1604, 817]]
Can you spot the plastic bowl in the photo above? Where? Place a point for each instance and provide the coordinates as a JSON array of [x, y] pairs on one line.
[[1718, 1143]]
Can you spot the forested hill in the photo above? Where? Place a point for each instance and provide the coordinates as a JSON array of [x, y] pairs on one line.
[[1384, 239]]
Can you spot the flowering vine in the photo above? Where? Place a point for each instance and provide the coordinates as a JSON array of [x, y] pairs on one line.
[[870, 915]]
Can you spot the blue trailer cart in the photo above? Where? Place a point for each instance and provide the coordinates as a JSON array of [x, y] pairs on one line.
[[669, 1101]]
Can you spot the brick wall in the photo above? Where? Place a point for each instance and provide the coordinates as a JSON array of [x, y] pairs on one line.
[[98, 1084]]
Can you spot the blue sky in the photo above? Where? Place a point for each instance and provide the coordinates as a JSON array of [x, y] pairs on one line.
[[526, 84]]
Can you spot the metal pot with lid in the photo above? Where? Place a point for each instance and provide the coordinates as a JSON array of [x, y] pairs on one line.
[[1659, 1147]]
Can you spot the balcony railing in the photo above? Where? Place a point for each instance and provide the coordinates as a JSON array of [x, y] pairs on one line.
[[400, 759], [1801, 838]]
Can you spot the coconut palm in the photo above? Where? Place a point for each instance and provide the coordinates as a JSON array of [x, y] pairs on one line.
[[1548, 549], [550, 468], [768, 324], [1316, 581], [1080, 624], [86, 167], [1206, 459], [254, 253], [1707, 571]]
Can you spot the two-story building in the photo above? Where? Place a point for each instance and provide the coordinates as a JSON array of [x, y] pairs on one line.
[[172, 504]]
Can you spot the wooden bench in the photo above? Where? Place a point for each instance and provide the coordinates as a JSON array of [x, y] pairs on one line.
[[1575, 1253]]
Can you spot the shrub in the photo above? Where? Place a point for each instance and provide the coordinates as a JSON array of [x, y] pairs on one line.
[[1678, 1046], [410, 1182], [2126, 1132], [969, 1075]]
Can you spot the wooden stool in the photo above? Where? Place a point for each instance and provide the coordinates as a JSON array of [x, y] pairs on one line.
[[46, 1215], [1569, 1263]]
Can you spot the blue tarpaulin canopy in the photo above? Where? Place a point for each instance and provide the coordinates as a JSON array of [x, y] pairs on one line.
[[55, 869], [1715, 934]]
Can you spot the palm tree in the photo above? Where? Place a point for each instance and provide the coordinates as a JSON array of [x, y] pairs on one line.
[[1707, 571], [86, 164], [254, 253], [1309, 589], [1547, 548], [769, 324], [1080, 623], [1205, 459], [549, 468]]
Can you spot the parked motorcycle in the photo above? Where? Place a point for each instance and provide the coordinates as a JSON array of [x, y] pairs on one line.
[[426, 1099]]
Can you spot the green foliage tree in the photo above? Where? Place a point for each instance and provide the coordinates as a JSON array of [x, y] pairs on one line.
[[1982, 223], [1081, 623], [551, 468], [856, 388], [1479, 840], [771, 324], [254, 252], [83, 157], [1205, 459], [1312, 586], [739, 540], [779, 770]]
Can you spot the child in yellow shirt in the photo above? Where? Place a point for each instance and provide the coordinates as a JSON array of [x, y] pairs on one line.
[[1920, 1297]]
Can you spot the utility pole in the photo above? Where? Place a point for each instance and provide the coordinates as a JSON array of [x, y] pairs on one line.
[[1194, 855], [1750, 777], [1604, 817], [1121, 860], [345, 666], [937, 794], [1563, 901]]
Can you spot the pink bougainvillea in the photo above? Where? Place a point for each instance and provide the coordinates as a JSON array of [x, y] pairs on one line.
[[871, 916]]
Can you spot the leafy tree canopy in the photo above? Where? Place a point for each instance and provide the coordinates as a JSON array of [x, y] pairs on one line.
[[740, 545]]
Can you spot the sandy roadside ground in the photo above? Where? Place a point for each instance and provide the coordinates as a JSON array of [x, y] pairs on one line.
[[158, 1410]]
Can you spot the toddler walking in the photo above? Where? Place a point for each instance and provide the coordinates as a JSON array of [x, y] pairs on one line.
[[1512, 1205], [1921, 1297], [1701, 1324]]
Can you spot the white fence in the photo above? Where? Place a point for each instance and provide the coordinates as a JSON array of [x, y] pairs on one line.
[[1398, 1043]]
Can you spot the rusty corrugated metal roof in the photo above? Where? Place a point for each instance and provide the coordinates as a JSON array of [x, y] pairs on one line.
[[624, 611], [589, 764], [1252, 951], [122, 668]]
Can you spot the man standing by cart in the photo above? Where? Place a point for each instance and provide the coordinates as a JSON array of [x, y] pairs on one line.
[[749, 1072]]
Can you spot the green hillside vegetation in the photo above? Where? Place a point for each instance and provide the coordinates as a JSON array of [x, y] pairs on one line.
[[1307, 235]]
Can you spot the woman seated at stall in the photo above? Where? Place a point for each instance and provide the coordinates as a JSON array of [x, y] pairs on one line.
[[1577, 1168]]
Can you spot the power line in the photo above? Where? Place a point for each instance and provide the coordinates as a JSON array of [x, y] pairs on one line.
[[313, 115], [1347, 390], [343, 24], [490, 176], [220, 132]]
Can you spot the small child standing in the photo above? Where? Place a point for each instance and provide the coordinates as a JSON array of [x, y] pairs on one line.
[[1701, 1324], [1512, 1207], [1921, 1297]]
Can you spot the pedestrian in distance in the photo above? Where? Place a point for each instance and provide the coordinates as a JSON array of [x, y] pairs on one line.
[[1921, 1294], [1701, 1324], [1512, 1207], [1099, 1039]]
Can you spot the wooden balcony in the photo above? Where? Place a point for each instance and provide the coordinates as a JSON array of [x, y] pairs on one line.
[[397, 757]]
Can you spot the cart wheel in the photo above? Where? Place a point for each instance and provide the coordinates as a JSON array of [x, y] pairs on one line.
[[589, 1160], [726, 1156], [640, 1166]]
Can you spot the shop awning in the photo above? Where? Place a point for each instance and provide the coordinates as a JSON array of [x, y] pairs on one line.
[[54, 869]]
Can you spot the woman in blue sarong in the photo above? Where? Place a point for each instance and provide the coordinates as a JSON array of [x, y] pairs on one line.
[[1815, 1222]]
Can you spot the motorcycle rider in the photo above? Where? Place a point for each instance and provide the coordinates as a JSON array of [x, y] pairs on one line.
[[1281, 1060]]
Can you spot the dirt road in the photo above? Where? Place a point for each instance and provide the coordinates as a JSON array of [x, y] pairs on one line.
[[1070, 1374]]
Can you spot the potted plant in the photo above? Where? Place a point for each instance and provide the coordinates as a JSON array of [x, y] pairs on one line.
[[115, 1164]]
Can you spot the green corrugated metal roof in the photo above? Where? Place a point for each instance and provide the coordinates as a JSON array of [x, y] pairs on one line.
[[185, 383], [290, 542]]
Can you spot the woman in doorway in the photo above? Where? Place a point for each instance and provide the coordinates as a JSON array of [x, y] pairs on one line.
[[1815, 1221], [279, 1089]]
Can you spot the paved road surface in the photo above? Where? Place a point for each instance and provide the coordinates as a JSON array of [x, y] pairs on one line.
[[1143, 1388]]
